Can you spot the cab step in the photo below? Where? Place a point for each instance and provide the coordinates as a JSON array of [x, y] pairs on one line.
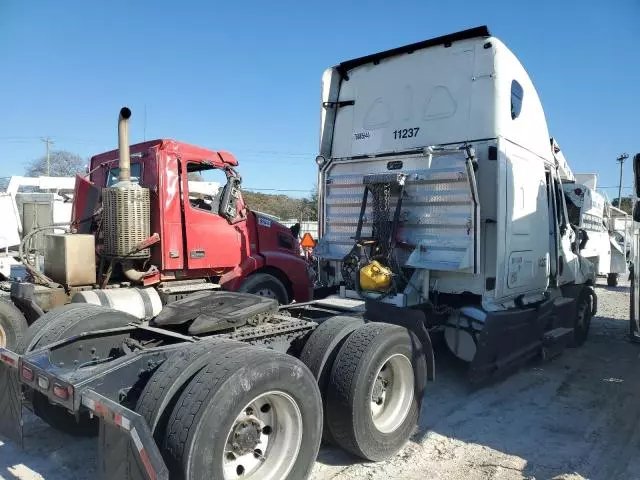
[[554, 341]]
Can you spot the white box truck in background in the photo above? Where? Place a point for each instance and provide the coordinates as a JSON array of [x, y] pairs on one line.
[[439, 193], [604, 225], [28, 204]]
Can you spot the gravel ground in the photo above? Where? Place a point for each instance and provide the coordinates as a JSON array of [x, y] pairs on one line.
[[574, 417]]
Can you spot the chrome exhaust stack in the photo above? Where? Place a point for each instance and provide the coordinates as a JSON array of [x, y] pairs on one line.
[[123, 145]]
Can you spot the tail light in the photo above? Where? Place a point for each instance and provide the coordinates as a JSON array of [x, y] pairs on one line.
[[61, 391], [27, 374]]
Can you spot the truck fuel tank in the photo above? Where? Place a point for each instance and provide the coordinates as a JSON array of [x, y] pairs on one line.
[[143, 303]]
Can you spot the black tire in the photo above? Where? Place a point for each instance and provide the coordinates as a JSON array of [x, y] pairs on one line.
[[13, 324], [351, 385], [170, 379], [207, 410], [582, 321], [612, 279], [259, 283], [75, 321], [320, 351], [61, 323], [33, 334]]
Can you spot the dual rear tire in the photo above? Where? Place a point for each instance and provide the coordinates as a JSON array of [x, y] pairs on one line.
[[13, 324], [258, 401], [372, 384], [58, 324], [226, 410]]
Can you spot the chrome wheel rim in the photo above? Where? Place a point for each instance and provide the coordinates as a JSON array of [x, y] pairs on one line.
[[392, 393], [264, 440]]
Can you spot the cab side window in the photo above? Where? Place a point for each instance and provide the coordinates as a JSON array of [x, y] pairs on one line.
[[516, 99], [205, 185]]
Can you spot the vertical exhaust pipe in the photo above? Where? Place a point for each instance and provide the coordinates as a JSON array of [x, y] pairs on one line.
[[123, 144]]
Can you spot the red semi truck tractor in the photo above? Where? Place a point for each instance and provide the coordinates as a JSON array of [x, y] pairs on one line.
[[144, 234]]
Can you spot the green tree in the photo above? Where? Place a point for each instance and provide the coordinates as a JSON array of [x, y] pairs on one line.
[[627, 204], [283, 206]]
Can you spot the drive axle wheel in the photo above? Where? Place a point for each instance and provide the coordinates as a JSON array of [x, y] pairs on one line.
[[320, 351], [170, 379], [582, 321], [375, 390], [265, 285], [392, 393], [248, 414], [13, 325], [264, 439], [58, 324]]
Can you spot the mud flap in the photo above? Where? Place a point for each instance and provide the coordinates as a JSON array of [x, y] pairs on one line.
[[127, 450], [634, 324], [10, 397], [408, 318], [506, 341], [115, 443]]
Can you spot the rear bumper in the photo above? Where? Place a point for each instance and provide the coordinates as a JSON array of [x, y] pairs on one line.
[[124, 434]]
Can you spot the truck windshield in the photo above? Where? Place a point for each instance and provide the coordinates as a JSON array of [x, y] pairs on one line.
[[114, 173]]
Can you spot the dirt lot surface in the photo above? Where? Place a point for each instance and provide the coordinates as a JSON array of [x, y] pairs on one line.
[[576, 416]]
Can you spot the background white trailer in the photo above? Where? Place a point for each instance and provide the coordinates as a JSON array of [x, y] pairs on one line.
[[27, 204], [589, 211]]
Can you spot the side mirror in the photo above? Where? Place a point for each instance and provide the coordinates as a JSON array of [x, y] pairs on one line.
[[636, 211], [229, 197]]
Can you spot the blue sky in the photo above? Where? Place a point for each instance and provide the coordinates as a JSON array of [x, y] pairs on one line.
[[245, 76]]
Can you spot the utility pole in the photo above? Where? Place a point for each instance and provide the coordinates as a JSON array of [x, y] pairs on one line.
[[621, 160], [48, 142]]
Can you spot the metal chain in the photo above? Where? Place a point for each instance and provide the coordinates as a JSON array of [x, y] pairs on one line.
[[381, 228]]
